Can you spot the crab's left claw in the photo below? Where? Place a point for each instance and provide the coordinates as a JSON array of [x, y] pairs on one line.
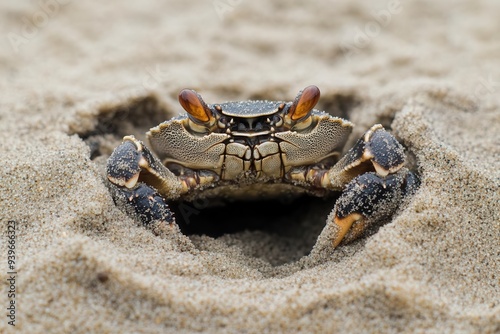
[[376, 183], [368, 200]]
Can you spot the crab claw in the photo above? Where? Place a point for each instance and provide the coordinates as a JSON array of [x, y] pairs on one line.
[[137, 178], [123, 167], [367, 201], [147, 204], [376, 151]]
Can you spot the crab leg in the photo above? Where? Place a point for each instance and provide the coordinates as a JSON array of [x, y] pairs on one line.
[[374, 182]]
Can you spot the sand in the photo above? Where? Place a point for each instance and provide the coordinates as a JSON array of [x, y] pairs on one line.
[[77, 76]]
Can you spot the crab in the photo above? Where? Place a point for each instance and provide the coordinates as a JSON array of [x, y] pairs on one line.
[[259, 149]]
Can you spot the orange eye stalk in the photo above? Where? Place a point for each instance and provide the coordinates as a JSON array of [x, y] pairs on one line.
[[197, 109], [304, 103]]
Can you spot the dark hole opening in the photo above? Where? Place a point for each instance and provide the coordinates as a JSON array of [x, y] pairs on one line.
[[286, 231]]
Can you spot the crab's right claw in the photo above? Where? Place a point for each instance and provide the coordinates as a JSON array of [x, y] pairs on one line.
[[367, 201]]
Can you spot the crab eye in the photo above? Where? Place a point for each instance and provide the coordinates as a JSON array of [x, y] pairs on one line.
[[222, 122], [196, 108], [304, 103], [277, 121]]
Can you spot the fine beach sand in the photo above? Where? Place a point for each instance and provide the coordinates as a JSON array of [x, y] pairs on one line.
[[81, 75]]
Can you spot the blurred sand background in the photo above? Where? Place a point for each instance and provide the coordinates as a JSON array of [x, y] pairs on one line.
[[75, 76]]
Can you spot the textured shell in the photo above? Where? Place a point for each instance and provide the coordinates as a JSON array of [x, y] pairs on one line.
[[249, 109]]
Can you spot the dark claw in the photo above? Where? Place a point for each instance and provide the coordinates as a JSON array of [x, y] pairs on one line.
[[377, 151], [123, 164], [386, 150], [368, 200], [148, 205], [366, 194]]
